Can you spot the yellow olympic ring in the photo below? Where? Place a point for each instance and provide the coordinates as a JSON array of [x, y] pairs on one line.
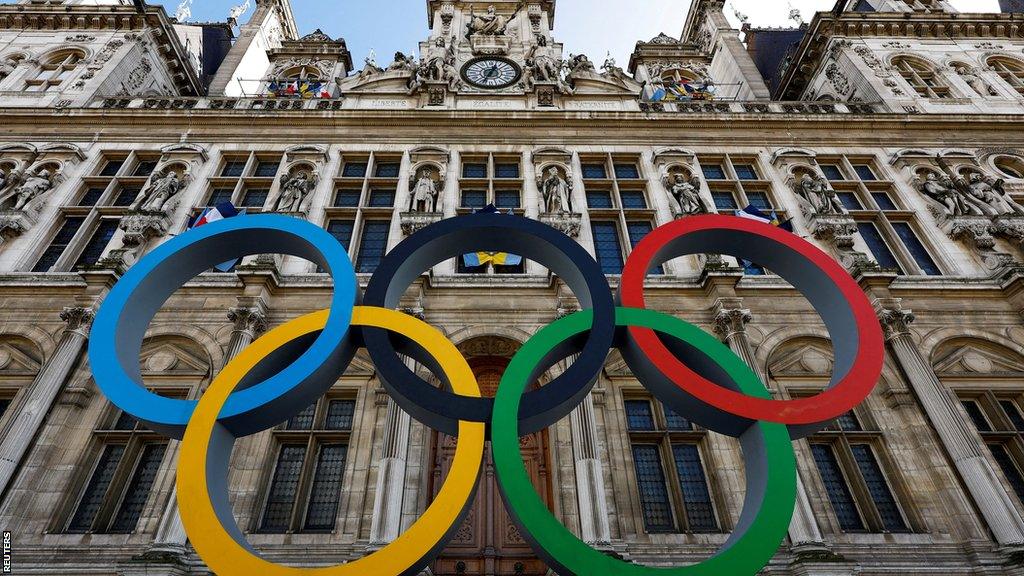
[[224, 548]]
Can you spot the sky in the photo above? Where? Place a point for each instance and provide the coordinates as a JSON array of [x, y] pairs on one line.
[[387, 26]]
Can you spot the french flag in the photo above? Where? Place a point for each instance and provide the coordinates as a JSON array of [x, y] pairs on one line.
[[213, 214]]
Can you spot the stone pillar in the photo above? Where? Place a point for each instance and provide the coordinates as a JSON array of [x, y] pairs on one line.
[[249, 323], [23, 430], [594, 528], [387, 499], [730, 322], [960, 441]]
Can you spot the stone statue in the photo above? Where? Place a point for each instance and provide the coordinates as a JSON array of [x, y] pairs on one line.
[[34, 186], [4, 180], [612, 71], [441, 67], [370, 68], [944, 192], [974, 80], [579, 63], [541, 67], [488, 24], [294, 189], [1010, 205], [160, 190], [556, 192], [822, 198], [425, 196], [403, 62], [7, 67], [684, 195]]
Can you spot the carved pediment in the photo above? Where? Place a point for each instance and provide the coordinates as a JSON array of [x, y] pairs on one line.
[[978, 359], [807, 358], [19, 357], [165, 357]]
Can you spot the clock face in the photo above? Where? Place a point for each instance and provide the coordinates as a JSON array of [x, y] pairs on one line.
[[491, 72]]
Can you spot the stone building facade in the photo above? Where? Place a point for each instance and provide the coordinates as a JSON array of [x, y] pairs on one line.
[[892, 140]]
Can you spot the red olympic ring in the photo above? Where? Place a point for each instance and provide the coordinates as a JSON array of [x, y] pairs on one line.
[[841, 396]]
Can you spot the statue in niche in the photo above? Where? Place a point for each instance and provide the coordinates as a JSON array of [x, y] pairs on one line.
[[34, 186], [160, 190], [1010, 205], [425, 195], [556, 192], [988, 196], [294, 189], [541, 67], [7, 66], [974, 80], [943, 191], [489, 23], [4, 180], [684, 195], [822, 198]]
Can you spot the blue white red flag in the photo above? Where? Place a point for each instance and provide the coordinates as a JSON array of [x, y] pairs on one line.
[[213, 214]]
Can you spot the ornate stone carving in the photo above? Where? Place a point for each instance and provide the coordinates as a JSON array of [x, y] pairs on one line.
[[976, 231], [837, 78], [78, 318], [14, 223], [296, 187], [837, 230], [684, 193], [140, 227], [817, 196], [544, 70], [895, 322], [555, 185], [567, 223], [162, 188], [973, 79], [425, 190], [251, 320], [488, 32], [729, 322], [946, 198], [413, 222]]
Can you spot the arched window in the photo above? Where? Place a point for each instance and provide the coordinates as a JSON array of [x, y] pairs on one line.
[[301, 73], [921, 77], [1011, 71], [1010, 166], [57, 68]]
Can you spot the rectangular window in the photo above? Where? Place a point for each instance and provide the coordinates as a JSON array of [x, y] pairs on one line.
[[372, 245], [595, 172], [865, 173], [283, 489], [342, 231], [627, 172], [639, 415], [347, 198], [382, 198], [474, 199], [388, 170], [507, 170], [1013, 413], [326, 489], [916, 248], [507, 198], [607, 246], [599, 198], [219, 196], [837, 488], [255, 198], [745, 172], [637, 230], [713, 171], [97, 244], [91, 196], [700, 513], [111, 168], [138, 489], [96, 490], [977, 415], [878, 488], [1009, 468], [126, 196], [675, 422], [474, 170], [759, 200], [633, 199], [145, 167], [724, 200], [303, 420], [267, 168], [650, 477], [340, 414], [879, 249], [354, 170], [850, 200], [884, 201], [832, 172], [5, 403], [848, 422], [233, 169]]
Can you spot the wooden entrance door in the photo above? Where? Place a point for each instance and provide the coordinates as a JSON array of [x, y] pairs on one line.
[[488, 542]]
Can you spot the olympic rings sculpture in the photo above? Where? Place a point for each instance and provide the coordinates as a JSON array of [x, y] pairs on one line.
[[288, 368]]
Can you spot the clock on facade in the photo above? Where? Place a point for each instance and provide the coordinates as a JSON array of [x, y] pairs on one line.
[[491, 72]]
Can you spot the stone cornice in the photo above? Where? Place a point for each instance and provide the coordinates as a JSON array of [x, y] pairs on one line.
[[921, 25]]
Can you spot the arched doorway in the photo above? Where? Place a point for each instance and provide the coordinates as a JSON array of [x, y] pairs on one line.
[[488, 542]]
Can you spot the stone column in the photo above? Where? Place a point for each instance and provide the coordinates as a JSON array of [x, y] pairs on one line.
[[960, 441], [386, 524], [21, 433], [249, 323], [730, 322], [594, 528]]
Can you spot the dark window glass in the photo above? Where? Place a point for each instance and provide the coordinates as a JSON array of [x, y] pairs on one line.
[[1013, 413], [873, 238], [283, 488], [506, 170], [474, 199], [96, 489], [650, 477], [865, 173], [354, 170], [850, 200], [126, 196], [340, 414], [745, 172], [506, 198], [474, 170], [1009, 467], [713, 172], [255, 198], [342, 231], [675, 421], [595, 171], [388, 170], [266, 168], [145, 168], [848, 422], [838, 490], [696, 497], [916, 248], [639, 415], [976, 415], [97, 244], [5, 403], [759, 200], [637, 231], [372, 244], [633, 199], [233, 168], [347, 198], [751, 269], [125, 421], [892, 520], [609, 251], [627, 171], [138, 489], [382, 198], [326, 489], [724, 200], [59, 243], [111, 168], [863, 6], [303, 420], [832, 172], [599, 199], [884, 201], [219, 196], [91, 197]]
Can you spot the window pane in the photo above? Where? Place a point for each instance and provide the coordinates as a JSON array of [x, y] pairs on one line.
[[873, 238], [751, 269], [339, 414], [633, 199], [892, 520], [696, 497], [100, 238], [675, 421], [111, 168], [1009, 467], [884, 201], [126, 196], [606, 243], [506, 170], [388, 170], [354, 170], [347, 198], [506, 198], [326, 489], [639, 415], [58, 244], [382, 198], [5, 403], [341, 230], [476, 170], [219, 196], [627, 171], [832, 172], [595, 171], [759, 200], [848, 422], [255, 198], [838, 490], [650, 477], [599, 199], [724, 200], [138, 489], [233, 168], [865, 173], [977, 416], [637, 231], [1013, 412], [145, 168], [850, 200], [745, 172], [372, 244], [283, 488], [125, 421], [303, 420], [474, 199], [266, 168], [95, 491], [91, 197], [713, 172], [916, 248]]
